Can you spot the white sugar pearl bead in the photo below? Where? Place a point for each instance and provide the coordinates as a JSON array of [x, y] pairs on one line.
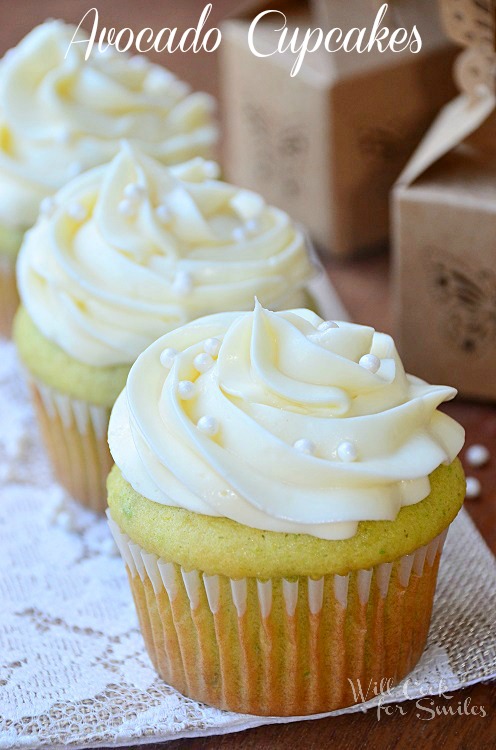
[[203, 362], [134, 192], [473, 488], [303, 445], [252, 226], [186, 389], [163, 214], [77, 211], [370, 362], [74, 169], [167, 357], [64, 136], [212, 346], [347, 451], [208, 425], [138, 62], [238, 234], [183, 283], [211, 169], [477, 455], [47, 206], [127, 208], [326, 325]]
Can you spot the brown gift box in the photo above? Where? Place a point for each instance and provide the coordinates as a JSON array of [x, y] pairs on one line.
[[327, 144], [444, 229]]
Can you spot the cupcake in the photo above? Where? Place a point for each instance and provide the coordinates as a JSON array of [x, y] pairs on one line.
[[61, 114], [281, 494], [128, 252]]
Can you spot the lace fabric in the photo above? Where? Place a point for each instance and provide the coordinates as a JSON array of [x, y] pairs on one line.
[[73, 668]]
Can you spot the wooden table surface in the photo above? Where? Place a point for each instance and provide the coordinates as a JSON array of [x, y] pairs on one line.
[[363, 286]]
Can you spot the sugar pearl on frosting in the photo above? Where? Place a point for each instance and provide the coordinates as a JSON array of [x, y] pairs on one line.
[[211, 169], [208, 425], [347, 451], [64, 136], [477, 455], [77, 211], [163, 214], [326, 325], [183, 283], [212, 346], [238, 234], [473, 488], [303, 445], [252, 226], [203, 362], [167, 357], [127, 207], [186, 389], [370, 362], [47, 206], [74, 169], [134, 192]]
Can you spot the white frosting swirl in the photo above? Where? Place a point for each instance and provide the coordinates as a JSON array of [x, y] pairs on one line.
[[259, 437], [134, 249], [61, 115]]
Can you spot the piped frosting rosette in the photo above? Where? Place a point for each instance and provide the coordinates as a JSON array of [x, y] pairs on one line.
[[61, 114], [282, 422], [133, 249]]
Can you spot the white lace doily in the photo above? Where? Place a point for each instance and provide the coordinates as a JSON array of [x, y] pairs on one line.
[[73, 669]]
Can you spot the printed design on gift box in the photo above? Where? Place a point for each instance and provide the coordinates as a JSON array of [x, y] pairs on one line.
[[278, 154], [467, 296], [389, 142], [472, 24]]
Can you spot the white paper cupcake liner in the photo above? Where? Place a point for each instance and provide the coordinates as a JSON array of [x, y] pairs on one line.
[[75, 436], [281, 646]]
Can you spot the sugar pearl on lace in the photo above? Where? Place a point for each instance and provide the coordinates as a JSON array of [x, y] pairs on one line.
[[208, 425], [183, 283], [163, 214], [211, 169], [203, 362], [127, 207], [473, 488], [477, 455], [212, 346], [370, 362], [167, 357], [303, 445], [74, 169], [186, 389], [326, 325], [347, 451], [77, 211], [47, 206], [134, 192]]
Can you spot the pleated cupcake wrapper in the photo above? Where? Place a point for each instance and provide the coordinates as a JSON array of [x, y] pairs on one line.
[[9, 299], [277, 646], [75, 436]]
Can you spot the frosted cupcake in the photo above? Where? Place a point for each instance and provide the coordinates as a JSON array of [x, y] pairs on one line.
[[281, 495], [130, 251], [61, 115]]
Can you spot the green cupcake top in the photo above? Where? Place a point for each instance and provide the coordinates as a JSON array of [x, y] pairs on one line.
[[50, 364], [222, 546]]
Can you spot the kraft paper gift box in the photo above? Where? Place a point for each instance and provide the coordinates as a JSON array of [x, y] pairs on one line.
[[328, 144], [444, 230]]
